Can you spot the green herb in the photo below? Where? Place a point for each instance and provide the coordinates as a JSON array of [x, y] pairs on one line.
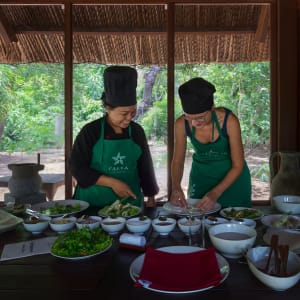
[[242, 213], [81, 242], [61, 209]]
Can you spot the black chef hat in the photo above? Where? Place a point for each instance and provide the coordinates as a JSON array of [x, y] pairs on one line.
[[196, 96], [120, 84]]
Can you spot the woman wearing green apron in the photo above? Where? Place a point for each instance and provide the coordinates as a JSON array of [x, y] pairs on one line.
[[110, 158], [219, 172]]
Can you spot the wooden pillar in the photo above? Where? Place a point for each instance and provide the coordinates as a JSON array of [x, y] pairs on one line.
[[68, 97], [171, 62], [287, 83]]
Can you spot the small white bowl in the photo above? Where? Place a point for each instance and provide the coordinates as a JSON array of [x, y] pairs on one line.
[[212, 221], [257, 259], [138, 225], [287, 204], [36, 226], [189, 226], [163, 225], [113, 225], [243, 221], [61, 224], [90, 221], [232, 240]]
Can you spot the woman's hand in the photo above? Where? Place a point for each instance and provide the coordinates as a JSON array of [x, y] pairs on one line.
[[178, 198], [122, 189], [208, 201]]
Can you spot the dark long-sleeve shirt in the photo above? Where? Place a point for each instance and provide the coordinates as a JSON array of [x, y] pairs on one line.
[[82, 152]]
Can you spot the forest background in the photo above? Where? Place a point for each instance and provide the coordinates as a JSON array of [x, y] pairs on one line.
[[32, 105]]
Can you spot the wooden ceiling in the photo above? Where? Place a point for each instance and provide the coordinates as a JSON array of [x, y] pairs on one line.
[[135, 34]]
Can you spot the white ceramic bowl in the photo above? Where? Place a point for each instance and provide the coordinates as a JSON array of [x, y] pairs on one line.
[[232, 240], [212, 221], [61, 224], [90, 221], [163, 225], [189, 226], [257, 259], [287, 204], [138, 225], [113, 225], [36, 226], [243, 221]]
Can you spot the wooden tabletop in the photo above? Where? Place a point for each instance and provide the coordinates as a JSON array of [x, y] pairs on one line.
[[106, 276]]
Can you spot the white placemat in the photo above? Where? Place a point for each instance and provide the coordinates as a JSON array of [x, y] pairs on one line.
[[27, 248]]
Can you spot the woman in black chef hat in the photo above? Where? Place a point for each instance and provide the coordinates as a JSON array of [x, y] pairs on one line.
[[110, 158], [219, 172]]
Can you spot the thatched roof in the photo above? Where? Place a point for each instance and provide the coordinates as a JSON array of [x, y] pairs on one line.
[[136, 34]]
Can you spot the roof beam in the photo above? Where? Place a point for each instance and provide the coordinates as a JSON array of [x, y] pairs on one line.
[[130, 31], [6, 30]]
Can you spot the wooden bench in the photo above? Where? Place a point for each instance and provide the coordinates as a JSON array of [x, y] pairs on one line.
[[50, 183]]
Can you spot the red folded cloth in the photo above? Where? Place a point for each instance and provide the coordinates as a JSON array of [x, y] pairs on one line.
[[180, 271]]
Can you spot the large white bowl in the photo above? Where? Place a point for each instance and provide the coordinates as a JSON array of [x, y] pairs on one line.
[[232, 240], [61, 224], [257, 259], [189, 226], [36, 226], [113, 225], [138, 225], [287, 204], [90, 221], [163, 226]]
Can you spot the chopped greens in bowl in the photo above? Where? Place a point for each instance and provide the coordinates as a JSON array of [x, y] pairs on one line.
[[81, 243]]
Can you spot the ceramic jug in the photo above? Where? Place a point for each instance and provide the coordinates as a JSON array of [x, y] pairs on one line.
[[287, 180], [25, 179]]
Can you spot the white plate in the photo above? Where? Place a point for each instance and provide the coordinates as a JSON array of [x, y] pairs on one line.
[[172, 209], [270, 220], [44, 205], [286, 236], [8, 221], [137, 264], [81, 257], [223, 214]]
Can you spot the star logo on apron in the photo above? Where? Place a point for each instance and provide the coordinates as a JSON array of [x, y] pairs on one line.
[[119, 159]]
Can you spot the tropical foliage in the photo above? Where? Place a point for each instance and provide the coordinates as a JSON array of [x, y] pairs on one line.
[[32, 97]]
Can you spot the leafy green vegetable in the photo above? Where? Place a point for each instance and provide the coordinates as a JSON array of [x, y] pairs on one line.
[[61, 209], [81, 242], [117, 209], [242, 213]]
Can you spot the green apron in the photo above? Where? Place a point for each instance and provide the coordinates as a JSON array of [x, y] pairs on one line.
[[117, 159], [211, 162]]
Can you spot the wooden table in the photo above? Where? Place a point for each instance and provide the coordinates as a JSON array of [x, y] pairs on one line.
[[107, 276], [50, 183]]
